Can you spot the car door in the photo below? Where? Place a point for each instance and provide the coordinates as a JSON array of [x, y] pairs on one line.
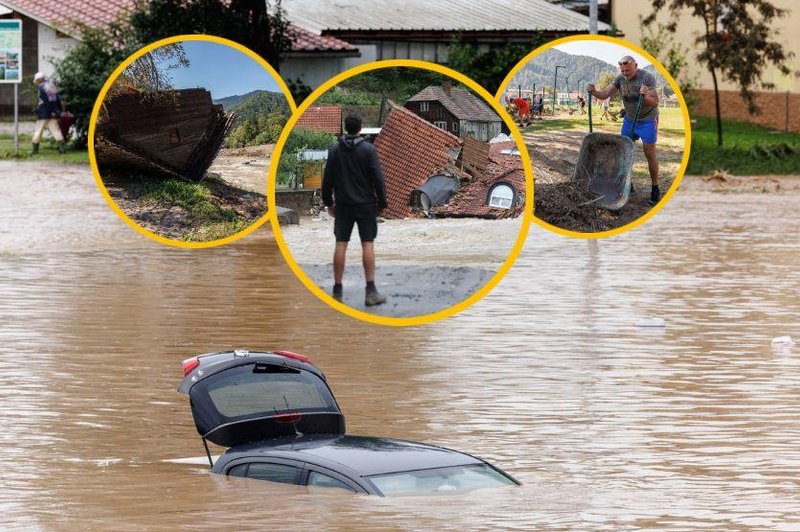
[[317, 478], [276, 470]]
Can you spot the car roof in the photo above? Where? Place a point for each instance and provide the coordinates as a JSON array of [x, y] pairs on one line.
[[363, 455]]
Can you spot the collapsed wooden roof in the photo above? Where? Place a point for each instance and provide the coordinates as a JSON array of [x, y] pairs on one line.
[[177, 133]]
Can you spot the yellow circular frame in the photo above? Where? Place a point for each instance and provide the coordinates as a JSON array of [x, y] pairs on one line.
[[686, 127], [425, 318], [99, 102]]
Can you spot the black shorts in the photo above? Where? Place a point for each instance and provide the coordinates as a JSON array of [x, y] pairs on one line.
[[366, 216]]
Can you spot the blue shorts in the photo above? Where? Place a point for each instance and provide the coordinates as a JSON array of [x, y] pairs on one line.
[[646, 130]]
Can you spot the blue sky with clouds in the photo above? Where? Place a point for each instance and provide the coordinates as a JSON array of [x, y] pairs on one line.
[[222, 70]]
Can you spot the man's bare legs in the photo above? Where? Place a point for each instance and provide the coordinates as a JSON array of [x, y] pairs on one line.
[[652, 166], [339, 255], [368, 260]]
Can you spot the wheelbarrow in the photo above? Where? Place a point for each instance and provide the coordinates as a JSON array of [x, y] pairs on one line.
[[605, 162]]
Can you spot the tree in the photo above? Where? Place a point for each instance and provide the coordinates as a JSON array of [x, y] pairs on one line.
[[148, 73], [257, 24], [82, 72], [737, 43], [490, 67]]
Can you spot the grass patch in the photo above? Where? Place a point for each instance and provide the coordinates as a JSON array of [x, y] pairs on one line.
[[209, 219], [670, 121], [747, 149], [48, 151]]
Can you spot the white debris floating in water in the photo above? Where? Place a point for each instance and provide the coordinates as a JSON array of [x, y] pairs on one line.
[[782, 341], [651, 322]]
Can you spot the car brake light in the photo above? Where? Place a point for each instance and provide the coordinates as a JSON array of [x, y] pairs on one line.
[[190, 364], [295, 356], [288, 418]]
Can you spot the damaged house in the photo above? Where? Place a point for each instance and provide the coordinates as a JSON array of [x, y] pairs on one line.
[[456, 110], [427, 171], [175, 132]]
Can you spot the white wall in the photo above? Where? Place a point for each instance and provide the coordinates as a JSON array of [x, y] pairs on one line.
[[52, 48]]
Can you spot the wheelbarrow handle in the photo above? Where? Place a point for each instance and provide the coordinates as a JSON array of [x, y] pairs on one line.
[[636, 115], [590, 110]]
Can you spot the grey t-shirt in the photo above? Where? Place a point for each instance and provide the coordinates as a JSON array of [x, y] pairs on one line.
[[629, 90]]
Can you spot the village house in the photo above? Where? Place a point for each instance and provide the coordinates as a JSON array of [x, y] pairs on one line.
[[328, 37], [52, 27], [456, 110]]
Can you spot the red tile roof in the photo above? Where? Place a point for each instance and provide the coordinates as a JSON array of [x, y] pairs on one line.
[[410, 150], [304, 40], [471, 199], [327, 118], [67, 15]]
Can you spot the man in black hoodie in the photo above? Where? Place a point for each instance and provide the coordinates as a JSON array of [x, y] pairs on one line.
[[353, 190]]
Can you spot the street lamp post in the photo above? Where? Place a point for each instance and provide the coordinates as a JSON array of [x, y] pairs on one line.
[[555, 86]]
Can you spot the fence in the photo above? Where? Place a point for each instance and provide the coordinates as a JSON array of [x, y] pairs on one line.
[[779, 110]]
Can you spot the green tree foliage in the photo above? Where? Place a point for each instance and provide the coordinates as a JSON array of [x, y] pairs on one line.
[[258, 24], [396, 83], [84, 70], [290, 166], [738, 42], [489, 68], [149, 73]]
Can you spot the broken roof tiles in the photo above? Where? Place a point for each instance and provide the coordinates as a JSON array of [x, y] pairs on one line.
[[461, 103], [326, 118], [410, 150], [471, 200]]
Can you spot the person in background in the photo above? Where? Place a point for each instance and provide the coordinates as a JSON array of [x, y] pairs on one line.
[[47, 113]]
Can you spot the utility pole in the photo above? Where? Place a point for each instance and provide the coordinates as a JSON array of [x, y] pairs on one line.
[[555, 87], [593, 17]]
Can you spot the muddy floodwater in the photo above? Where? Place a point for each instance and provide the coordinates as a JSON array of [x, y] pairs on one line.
[[608, 426]]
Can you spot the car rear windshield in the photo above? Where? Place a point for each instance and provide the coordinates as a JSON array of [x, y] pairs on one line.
[[268, 389], [442, 480]]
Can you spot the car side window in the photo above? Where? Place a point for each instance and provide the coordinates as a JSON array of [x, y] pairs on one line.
[[318, 480], [284, 474], [237, 471]]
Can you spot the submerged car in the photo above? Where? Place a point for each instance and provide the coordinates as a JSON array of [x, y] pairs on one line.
[[281, 423]]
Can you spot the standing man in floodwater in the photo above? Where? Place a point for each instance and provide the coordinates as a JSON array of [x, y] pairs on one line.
[[353, 189], [631, 82], [47, 113]]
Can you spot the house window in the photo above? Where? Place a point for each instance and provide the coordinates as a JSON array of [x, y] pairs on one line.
[[455, 127], [501, 196], [423, 106], [441, 125]]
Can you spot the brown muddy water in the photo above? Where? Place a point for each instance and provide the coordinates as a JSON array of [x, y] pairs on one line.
[[609, 427]]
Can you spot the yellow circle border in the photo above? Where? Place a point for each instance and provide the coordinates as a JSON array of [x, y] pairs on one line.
[[425, 318], [686, 126], [99, 102]]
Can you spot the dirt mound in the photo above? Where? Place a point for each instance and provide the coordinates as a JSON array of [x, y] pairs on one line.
[[570, 206]]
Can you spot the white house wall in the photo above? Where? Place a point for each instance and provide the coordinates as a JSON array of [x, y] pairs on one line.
[[52, 48], [316, 71]]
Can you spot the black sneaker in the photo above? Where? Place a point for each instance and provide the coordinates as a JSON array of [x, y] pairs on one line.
[[337, 292], [630, 190], [655, 195]]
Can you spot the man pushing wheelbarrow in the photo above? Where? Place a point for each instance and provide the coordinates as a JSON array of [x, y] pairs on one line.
[[632, 84]]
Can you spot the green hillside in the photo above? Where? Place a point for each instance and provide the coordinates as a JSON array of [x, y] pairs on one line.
[[260, 117], [541, 71]]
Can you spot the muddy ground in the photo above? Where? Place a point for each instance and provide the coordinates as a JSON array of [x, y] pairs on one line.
[[567, 205], [236, 180], [245, 168], [423, 266]]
